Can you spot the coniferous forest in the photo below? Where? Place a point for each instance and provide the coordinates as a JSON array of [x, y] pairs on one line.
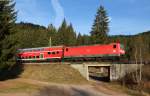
[[14, 35]]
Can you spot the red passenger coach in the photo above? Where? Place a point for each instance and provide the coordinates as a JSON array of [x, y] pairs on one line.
[[114, 49], [43, 53]]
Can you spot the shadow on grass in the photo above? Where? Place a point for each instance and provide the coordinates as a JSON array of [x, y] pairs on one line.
[[11, 73], [62, 91], [79, 92], [53, 91]]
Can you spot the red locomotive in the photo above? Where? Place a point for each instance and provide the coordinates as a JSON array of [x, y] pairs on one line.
[[64, 52]]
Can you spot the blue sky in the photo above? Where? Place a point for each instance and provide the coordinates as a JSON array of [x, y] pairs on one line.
[[127, 17]]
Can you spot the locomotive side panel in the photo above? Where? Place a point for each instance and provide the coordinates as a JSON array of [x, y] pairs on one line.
[[93, 51]]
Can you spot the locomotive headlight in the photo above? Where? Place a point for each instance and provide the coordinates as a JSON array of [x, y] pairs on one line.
[[114, 51], [122, 51]]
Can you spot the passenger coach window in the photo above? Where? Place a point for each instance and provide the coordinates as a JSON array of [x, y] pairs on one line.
[[53, 52], [114, 46], [49, 52], [66, 49]]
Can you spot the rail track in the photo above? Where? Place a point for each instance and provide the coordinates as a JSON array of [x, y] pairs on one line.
[[85, 60]]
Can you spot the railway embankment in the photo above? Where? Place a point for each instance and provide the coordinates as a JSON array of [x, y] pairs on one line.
[[115, 71], [56, 73]]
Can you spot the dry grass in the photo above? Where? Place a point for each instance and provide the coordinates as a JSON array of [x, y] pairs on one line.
[[146, 78], [116, 88], [13, 86], [55, 73], [141, 87]]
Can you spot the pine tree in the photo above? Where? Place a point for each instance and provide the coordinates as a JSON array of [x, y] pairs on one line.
[[62, 34], [31, 35], [7, 40], [100, 27], [71, 35], [66, 34], [86, 40], [79, 39], [51, 28], [52, 33]]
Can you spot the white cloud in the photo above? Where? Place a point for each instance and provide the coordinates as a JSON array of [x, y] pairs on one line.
[[25, 8], [58, 11], [29, 11]]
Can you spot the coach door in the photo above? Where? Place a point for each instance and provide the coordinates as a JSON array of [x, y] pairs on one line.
[[41, 56]]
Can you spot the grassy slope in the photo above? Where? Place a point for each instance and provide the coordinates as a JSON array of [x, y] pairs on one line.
[[12, 86], [53, 73]]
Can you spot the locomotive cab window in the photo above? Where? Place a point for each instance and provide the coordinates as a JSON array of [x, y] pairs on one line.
[[57, 52], [114, 46]]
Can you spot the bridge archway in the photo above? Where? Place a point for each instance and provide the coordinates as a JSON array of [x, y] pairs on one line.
[[99, 73]]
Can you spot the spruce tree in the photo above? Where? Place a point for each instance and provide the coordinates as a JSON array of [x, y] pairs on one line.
[[62, 34], [52, 33], [71, 35], [7, 40], [79, 39], [51, 28], [100, 27], [66, 34], [86, 40]]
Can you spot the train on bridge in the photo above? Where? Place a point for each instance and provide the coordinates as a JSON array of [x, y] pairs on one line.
[[59, 53]]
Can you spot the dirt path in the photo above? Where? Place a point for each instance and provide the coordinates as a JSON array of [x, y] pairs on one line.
[[66, 90], [98, 89], [15, 94]]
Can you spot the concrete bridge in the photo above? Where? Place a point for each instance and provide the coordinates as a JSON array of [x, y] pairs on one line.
[[114, 71]]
